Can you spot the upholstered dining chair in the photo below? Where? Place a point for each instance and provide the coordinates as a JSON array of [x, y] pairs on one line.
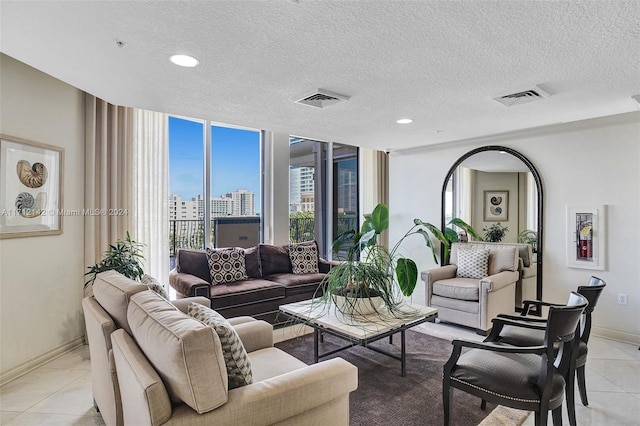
[[519, 336], [527, 378]]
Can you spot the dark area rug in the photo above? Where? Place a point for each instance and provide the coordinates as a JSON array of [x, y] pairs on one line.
[[385, 398]]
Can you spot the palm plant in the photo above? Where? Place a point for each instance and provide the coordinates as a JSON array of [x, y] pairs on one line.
[[123, 256]]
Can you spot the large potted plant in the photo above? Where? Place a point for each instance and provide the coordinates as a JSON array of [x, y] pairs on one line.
[[371, 274], [124, 256]]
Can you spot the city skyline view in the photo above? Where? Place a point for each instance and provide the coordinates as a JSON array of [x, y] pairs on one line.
[[235, 160]]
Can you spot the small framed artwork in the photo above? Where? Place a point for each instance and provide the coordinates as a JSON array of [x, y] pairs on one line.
[[586, 236], [30, 188], [496, 206]]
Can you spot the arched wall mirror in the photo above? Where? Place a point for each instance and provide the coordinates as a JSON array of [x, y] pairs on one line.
[[495, 184]]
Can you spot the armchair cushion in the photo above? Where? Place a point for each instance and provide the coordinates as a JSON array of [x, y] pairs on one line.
[[186, 353], [458, 288], [235, 355], [472, 263], [113, 290], [226, 265]]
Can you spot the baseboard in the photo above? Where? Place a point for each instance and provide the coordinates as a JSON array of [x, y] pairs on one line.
[[32, 364], [613, 334]]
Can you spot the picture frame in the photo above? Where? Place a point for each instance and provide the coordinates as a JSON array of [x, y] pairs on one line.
[[496, 205], [31, 177], [586, 236]]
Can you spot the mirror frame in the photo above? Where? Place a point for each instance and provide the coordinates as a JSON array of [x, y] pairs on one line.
[[538, 180]]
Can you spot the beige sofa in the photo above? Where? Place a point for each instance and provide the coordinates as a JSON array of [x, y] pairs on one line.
[[473, 302], [156, 365]]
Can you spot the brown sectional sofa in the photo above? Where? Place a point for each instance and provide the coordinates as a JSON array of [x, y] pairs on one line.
[[271, 282]]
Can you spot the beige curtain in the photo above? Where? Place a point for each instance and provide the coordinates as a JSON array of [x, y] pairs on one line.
[[150, 191], [382, 186], [108, 166]]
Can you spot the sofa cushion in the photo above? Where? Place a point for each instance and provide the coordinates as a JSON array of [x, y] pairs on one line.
[[472, 263], [226, 265], [304, 258], [193, 262], [274, 260], [298, 283], [186, 353], [235, 356], [113, 290], [458, 288], [252, 262], [245, 292], [154, 285]]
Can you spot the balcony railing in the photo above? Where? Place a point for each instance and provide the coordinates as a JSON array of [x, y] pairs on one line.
[[189, 234]]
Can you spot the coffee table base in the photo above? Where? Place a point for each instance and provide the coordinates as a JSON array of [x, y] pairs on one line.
[[319, 330]]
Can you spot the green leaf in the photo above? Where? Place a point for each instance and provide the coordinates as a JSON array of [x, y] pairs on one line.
[[407, 275], [456, 221], [427, 240], [380, 218], [451, 235]]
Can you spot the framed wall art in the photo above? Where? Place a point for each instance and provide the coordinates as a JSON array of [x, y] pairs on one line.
[[30, 188], [586, 236], [496, 206]]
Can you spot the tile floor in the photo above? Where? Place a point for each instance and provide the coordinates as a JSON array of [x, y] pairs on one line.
[[59, 392]]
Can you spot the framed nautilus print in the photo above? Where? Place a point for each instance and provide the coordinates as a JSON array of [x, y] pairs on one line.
[[30, 188], [496, 206]]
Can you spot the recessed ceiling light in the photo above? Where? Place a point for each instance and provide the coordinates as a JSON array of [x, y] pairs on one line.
[[184, 60], [404, 121]]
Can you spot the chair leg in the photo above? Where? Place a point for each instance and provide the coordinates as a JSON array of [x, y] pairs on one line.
[[557, 416], [483, 405], [570, 398], [582, 385], [447, 396]]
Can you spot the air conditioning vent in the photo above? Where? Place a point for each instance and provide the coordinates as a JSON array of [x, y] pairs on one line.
[[322, 99], [521, 96]]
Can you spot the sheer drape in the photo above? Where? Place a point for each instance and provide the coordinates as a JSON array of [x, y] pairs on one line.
[[382, 186], [108, 166], [150, 191]]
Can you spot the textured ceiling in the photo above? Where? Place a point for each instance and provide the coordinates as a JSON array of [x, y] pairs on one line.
[[438, 62]]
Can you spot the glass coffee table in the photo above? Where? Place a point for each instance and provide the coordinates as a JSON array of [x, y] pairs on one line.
[[357, 330]]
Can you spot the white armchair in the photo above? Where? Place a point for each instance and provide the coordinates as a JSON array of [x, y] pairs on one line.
[[469, 292]]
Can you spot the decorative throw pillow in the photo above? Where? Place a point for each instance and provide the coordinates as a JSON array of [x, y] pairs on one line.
[[154, 285], [304, 258], [235, 356], [226, 265], [472, 263]]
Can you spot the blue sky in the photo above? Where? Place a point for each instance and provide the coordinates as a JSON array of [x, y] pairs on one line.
[[235, 159]]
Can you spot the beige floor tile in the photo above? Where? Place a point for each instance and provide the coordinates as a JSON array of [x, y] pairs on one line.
[[31, 419], [624, 374], [78, 359], [32, 388], [5, 416], [75, 398], [600, 348]]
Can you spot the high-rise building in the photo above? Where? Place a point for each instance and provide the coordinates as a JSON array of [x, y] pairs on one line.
[[180, 209], [243, 202], [221, 206], [301, 187]]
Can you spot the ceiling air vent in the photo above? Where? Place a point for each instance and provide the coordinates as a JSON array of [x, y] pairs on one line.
[[521, 96], [322, 99]]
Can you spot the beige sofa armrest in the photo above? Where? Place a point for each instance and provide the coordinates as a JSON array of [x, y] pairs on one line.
[[279, 398], [183, 304], [255, 334], [432, 275], [499, 280]]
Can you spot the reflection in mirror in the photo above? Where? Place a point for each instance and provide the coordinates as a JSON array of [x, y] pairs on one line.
[[496, 185]]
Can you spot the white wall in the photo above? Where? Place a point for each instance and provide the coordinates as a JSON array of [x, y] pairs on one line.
[[589, 162], [41, 278]]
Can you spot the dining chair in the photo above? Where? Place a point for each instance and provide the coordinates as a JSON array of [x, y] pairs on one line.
[[528, 378]]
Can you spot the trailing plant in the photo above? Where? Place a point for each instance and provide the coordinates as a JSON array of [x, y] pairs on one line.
[[495, 233], [123, 256], [529, 236]]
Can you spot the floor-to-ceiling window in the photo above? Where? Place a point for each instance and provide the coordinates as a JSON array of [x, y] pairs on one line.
[[345, 189], [214, 172]]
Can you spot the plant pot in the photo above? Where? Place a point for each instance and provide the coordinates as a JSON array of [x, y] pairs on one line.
[[349, 305]]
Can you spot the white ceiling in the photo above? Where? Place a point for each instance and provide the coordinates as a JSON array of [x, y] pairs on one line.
[[437, 62]]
